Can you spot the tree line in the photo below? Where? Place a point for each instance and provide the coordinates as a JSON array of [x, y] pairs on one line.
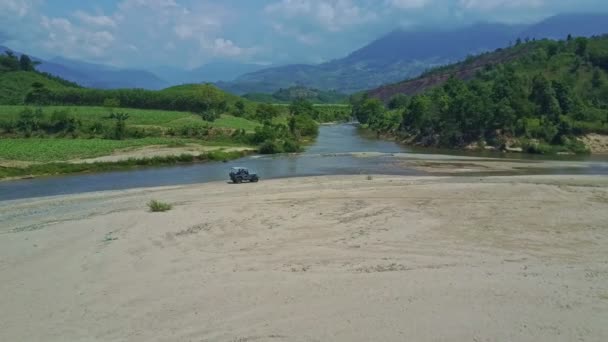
[[545, 98]]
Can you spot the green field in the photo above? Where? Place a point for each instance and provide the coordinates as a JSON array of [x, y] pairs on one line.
[[47, 150], [137, 117]]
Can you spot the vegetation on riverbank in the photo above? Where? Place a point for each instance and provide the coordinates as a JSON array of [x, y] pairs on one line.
[[541, 102], [47, 125], [57, 168]]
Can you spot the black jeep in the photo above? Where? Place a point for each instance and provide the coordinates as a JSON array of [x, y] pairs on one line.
[[242, 174]]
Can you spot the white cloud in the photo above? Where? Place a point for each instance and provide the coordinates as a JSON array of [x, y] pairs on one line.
[[487, 5], [304, 38], [94, 20], [19, 8], [226, 48], [71, 41], [150, 31], [408, 4], [332, 15]]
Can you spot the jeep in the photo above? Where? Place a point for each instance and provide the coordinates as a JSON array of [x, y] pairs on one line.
[[242, 174]]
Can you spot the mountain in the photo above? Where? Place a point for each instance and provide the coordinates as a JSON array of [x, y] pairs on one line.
[[96, 75], [101, 76], [577, 25], [211, 72], [464, 71], [405, 54]]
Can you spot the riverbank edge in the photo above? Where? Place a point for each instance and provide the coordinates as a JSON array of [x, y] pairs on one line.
[[594, 144], [63, 168]]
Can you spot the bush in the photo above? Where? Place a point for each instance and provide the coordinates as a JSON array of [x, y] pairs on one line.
[[270, 147], [156, 206], [291, 146], [304, 125]]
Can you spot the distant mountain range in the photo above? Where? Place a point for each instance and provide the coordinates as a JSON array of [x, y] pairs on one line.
[[107, 77], [403, 54], [392, 58], [210, 72], [96, 75]]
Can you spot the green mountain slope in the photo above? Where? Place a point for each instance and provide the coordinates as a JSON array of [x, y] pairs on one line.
[[14, 85], [539, 95]]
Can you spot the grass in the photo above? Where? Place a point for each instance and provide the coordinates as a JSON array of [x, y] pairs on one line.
[[43, 150], [47, 150], [157, 206], [137, 117], [57, 168], [15, 84]]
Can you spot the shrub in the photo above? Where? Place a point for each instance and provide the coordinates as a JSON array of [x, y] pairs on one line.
[[156, 206], [291, 146], [270, 147]]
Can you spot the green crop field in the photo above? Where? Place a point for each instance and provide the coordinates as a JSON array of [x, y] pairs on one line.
[[47, 150], [137, 117]]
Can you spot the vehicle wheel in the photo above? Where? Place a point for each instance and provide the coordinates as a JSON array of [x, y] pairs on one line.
[[239, 180], [255, 180]]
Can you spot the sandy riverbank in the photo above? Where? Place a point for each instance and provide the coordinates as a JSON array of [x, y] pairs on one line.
[[312, 259]]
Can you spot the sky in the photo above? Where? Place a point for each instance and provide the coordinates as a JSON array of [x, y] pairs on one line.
[[189, 33]]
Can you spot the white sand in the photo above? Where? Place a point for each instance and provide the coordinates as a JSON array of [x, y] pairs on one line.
[[312, 259]]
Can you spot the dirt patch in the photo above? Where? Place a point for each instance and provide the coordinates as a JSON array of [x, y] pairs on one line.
[[159, 151], [596, 143], [15, 163]]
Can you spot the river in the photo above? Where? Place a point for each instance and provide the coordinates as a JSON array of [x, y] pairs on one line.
[[339, 149]]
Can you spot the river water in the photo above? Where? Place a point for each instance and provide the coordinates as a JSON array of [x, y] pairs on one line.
[[339, 149]]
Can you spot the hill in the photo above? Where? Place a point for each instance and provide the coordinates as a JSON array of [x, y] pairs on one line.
[[210, 72], [404, 54], [15, 85], [438, 76], [101, 76], [560, 26], [539, 96], [18, 75], [95, 75], [298, 93]]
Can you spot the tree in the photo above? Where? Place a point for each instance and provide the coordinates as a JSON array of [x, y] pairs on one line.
[[39, 94], [111, 103], [25, 63], [581, 46], [597, 81], [369, 111], [62, 121], [240, 108], [120, 127], [303, 107], [543, 95], [29, 121], [266, 112], [303, 126], [398, 101], [9, 62], [564, 96]]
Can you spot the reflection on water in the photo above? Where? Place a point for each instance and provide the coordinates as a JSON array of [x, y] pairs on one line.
[[329, 155]]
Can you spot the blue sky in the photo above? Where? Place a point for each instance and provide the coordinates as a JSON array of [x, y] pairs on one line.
[[188, 33]]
